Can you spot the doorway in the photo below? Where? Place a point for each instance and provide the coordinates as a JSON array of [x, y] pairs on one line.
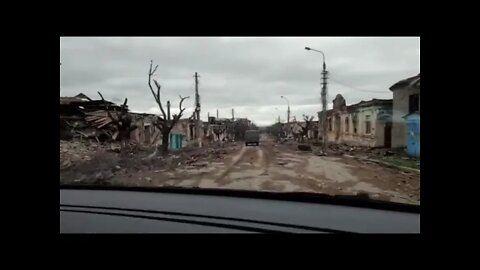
[[388, 135]]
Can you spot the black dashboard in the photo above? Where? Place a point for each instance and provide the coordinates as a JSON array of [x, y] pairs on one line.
[[97, 210]]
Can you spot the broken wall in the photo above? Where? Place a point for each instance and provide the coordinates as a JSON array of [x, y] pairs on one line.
[[146, 132], [341, 134], [400, 109]]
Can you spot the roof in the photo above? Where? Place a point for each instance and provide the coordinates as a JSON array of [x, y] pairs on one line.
[[78, 98], [368, 103], [82, 95], [68, 100], [141, 114], [85, 102], [409, 82], [363, 103]]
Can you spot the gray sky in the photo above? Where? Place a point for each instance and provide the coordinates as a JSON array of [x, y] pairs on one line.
[[247, 74]]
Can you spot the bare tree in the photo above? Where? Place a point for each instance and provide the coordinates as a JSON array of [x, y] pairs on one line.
[[219, 130], [305, 128], [292, 128], [122, 122], [164, 122]]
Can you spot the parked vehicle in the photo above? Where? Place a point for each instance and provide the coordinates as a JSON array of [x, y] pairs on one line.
[[252, 137]]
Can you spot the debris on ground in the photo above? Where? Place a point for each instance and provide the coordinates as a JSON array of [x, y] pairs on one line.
[[388, 153], [319, 153], [74, 152], [304, 147]]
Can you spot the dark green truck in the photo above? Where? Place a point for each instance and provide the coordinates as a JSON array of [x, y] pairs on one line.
[[252, 137]]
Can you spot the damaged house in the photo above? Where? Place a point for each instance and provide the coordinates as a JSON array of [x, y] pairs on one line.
[[181, 135], [367, 123], [146, 132], [84, 118], [297, 129], [219, 129], [406, 115], [184, 133], [81, 117]]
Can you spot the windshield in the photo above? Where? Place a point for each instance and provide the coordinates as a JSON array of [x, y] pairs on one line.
[[338, 116]]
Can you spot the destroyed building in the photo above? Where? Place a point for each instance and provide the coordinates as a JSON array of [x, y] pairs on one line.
[[367, 123], [219, 129], [182, 134], [406, 101], [81, 117], [297, 128], [84, 118], [146, 132]]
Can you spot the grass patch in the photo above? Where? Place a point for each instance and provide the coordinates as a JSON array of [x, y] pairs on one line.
[[398, 161]]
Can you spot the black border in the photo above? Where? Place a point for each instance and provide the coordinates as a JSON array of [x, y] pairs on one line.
[[431, 179]]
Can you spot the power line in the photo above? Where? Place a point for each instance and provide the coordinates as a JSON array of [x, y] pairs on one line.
[[355, 88]]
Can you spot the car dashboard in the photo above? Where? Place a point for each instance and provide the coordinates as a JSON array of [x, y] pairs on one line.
[[86, 210]]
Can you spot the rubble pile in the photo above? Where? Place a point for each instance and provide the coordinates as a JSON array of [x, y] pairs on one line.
[[192, 156], [82, 117], [304, 147], [74, 152], [343, 149]]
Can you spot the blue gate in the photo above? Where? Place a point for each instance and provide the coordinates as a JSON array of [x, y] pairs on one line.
[[413, 134], [175, 141]]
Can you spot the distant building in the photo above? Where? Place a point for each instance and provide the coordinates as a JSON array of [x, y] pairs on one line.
[[367, 123], [147, 133], [406, 100]]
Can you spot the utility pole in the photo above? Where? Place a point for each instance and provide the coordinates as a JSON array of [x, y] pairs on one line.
[[197, 112], [60, 78], [217, 114], [324, 100], [324, 107], [233, 115]]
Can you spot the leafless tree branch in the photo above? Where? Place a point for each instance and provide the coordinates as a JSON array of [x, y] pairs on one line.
[[157, 95]]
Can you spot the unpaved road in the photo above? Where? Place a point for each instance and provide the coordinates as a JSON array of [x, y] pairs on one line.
[[271, 167]]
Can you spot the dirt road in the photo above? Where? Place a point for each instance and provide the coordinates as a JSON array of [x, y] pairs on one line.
[[272, 167]]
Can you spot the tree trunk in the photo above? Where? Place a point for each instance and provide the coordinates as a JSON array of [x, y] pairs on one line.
[[165, 143]]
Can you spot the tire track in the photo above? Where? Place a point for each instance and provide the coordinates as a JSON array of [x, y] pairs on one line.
[[235, 160]]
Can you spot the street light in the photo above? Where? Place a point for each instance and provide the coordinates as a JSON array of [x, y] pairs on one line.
[[324, 99], [310, 49]]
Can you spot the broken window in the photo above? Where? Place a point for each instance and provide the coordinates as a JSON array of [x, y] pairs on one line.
[[147, 134], [368, 125], [355, 124], [329, 124], [413, 103], [346, 124]]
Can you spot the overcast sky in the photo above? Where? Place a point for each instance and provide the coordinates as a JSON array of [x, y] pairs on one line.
[[247, 74]]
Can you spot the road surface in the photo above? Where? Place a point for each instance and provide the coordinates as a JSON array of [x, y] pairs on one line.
[[277, 167]]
